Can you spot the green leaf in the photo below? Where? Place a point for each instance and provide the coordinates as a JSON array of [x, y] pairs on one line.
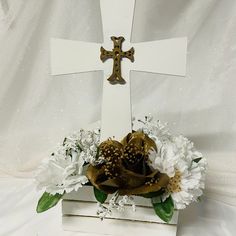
[[164, 210], [97, 154], [197, 159], [79, 148], [99, 195], [151, 194], [64, 141], [48, 201], [199, 199]]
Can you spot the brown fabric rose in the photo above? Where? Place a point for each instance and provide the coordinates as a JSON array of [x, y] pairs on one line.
[[125, 168]]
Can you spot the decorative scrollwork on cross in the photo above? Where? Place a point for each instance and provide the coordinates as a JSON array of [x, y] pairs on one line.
[[117, 54]]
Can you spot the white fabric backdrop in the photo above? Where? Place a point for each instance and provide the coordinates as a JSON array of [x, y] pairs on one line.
[[38, 110]]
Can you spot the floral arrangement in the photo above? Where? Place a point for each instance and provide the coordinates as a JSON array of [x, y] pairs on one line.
[[149, 162]]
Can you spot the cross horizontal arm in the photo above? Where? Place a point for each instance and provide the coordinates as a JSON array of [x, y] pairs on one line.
[[105, 54], [163, 56], [129, 54], [69, 56]]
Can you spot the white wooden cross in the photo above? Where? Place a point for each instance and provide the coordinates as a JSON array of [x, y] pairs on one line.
[[163, 56]]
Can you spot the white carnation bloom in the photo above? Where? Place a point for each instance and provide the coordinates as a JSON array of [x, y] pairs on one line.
[[176, 157], [165, 158], [61, 174], [63, 171]]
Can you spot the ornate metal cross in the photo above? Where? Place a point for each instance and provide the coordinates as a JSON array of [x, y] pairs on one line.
[[117, 54]]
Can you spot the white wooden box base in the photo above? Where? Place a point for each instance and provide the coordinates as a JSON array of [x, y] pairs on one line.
[[79, 214]]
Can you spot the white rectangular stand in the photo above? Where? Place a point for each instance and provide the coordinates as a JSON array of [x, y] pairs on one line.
[[79, 214]]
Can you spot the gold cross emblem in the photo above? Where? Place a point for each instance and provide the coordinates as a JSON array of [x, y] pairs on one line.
[[117, 54]]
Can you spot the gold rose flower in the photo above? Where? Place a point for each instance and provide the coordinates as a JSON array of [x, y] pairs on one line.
[[125, 168]]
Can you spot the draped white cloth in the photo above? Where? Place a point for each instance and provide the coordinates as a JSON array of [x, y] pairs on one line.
[[37, 110]]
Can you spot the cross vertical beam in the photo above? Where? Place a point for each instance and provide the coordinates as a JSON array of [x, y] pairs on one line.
[[117, 17]]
